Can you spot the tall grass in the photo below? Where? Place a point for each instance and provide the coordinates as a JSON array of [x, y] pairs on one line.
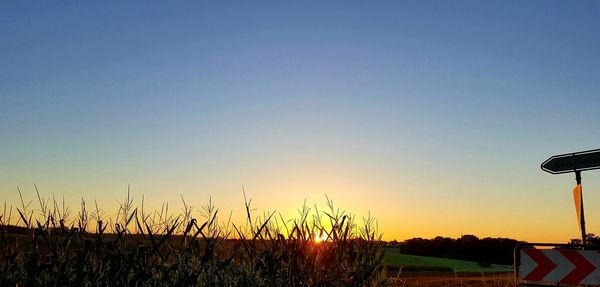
[[166, 248]]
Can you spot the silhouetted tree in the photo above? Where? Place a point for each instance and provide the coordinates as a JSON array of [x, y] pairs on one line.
[[592, 239]]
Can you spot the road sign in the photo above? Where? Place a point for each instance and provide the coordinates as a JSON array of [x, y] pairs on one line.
[[575, 162], [571, 162], [559, 266]]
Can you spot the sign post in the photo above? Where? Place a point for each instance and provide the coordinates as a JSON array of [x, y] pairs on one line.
[[575, 162]]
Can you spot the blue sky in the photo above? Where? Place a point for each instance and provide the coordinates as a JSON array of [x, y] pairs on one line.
[[433, 115]]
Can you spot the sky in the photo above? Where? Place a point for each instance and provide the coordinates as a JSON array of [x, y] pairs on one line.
[[432, 116]]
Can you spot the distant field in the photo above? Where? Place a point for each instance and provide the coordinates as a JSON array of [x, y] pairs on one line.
[[433, 279], [394, 259]]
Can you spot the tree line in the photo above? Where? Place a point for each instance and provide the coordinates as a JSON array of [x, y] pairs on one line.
[[485, 251]]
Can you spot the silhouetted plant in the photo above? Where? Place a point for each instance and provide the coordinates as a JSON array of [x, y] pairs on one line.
[[164, 249]]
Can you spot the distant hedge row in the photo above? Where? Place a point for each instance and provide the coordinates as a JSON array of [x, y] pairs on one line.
[[467, 247]]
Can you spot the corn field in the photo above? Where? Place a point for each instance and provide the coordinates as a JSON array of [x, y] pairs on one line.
[[48, 246]]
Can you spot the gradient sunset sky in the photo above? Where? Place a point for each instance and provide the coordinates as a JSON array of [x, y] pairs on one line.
[[432, 115]]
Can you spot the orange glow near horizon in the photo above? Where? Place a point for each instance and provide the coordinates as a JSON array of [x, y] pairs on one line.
[[400, 216], [403, 208]]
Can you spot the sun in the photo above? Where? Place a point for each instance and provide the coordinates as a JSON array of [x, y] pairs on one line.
[[320, 238]]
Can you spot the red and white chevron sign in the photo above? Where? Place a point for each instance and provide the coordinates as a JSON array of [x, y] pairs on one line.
[[560, 266]]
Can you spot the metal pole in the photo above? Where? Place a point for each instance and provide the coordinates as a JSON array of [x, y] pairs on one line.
[[582, 223]]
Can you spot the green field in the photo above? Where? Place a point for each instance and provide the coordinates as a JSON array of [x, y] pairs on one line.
[[393, 258]]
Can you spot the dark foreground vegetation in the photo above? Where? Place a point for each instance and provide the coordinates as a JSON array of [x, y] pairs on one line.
[[49, 247]]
